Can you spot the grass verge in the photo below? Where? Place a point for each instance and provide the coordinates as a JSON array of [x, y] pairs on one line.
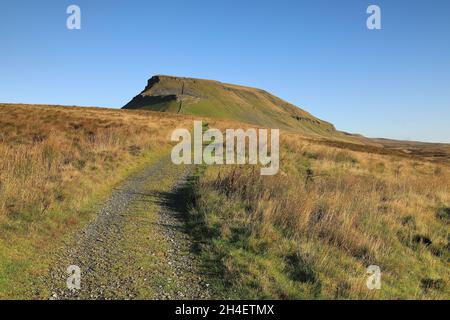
[[311, 231]]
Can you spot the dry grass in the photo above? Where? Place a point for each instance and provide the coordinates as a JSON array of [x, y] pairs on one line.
[[57, 161], [312, 230], [308, 232]]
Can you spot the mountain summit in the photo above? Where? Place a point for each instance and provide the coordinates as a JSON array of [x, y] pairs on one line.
[[221, 100]]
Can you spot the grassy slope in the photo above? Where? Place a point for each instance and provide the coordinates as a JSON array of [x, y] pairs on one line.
[[308, 232], [218, 100], [57, 164], [312, 230]]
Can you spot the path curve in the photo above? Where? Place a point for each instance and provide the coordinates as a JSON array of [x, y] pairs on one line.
[[137, 247]]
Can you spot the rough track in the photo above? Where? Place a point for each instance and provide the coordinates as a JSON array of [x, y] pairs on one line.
[[148, 207]]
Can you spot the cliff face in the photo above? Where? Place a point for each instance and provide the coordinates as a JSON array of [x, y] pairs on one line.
[[215, 99]]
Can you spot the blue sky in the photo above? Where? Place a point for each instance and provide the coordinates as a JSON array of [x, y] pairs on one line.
[[319, 55]]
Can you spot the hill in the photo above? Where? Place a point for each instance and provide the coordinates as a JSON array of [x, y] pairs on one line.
[[227, 101]]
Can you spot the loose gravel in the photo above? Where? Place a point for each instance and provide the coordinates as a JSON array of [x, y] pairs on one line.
[[107, 270]]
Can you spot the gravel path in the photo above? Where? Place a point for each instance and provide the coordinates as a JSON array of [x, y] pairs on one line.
[[137, 247]]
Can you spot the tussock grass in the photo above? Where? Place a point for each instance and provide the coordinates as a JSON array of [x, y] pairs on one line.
[[308, 232], [312, 230]]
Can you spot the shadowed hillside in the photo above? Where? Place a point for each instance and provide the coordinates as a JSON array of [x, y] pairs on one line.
[[221, 100]]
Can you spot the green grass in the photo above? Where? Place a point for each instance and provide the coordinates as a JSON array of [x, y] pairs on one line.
[[57, 165], [282, 238], [224, 101], [242, 266], [24, 259]]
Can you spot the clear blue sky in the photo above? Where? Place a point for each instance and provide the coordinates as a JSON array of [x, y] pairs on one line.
[[319, 55]]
